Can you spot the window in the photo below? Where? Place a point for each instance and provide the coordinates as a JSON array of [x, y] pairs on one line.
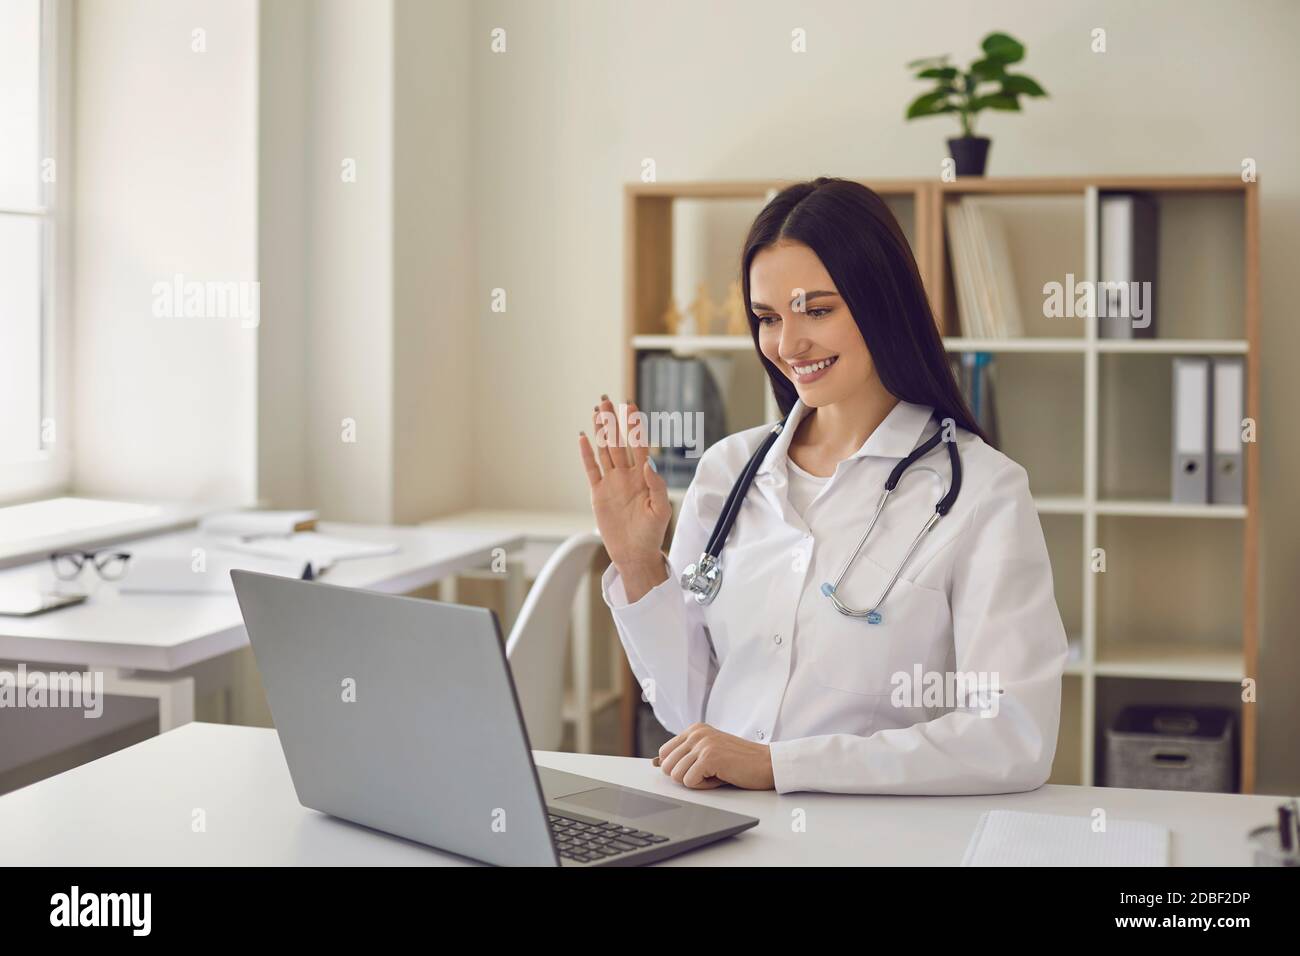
[[29, 227]]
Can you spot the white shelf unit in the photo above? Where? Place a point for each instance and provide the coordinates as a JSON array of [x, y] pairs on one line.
[[1081, 510]]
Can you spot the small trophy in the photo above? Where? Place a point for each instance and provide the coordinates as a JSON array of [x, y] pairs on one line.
[[733, 310], [702, 311]]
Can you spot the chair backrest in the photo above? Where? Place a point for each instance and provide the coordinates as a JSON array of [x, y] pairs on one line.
[[540, 637]]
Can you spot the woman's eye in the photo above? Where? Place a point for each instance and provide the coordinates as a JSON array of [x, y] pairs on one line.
[[818, 313], [768, 319]]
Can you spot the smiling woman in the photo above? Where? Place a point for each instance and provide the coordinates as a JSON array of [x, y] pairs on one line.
[[774, 681], [831, 248]]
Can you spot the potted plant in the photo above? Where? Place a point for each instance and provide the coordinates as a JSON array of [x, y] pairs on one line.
[[984, 85]]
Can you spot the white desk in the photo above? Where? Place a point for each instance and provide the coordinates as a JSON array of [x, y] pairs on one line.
[[167, 632], [135, 807]]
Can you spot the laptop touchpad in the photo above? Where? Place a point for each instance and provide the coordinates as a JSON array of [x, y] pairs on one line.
[[621, 803]]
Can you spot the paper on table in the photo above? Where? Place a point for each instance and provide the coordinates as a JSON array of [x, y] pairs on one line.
[[180, 573], [321, 550], [1015, 838], [256, 522]]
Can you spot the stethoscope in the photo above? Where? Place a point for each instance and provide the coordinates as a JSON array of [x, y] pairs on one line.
[[703, 579]]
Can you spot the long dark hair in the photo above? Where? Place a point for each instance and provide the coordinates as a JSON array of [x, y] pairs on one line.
[[860, 243]]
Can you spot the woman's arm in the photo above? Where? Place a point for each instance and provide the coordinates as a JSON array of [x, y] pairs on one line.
[[663, 631], [1005, 625]]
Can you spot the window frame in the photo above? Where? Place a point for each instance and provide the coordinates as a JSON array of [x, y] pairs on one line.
[[47, 471]]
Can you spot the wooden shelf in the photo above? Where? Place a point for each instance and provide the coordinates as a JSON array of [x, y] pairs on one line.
[[1169, 661], [1071, 410], [1168, 509], [956, 343], [1175, 346], [1081, 345], [1061, 504], [687, 344]]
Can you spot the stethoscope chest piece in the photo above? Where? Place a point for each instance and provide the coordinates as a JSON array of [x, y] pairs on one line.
[[703, 579]]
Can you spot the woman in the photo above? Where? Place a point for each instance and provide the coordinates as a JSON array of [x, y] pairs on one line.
[[769, 685]]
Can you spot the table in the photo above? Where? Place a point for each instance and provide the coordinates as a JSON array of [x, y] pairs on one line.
[[136, 807], [141, 641]]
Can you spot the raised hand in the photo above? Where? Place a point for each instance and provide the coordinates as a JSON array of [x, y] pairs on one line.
[[628, 498]]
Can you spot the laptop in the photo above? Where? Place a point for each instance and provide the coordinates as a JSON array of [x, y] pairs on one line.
[[400, 714]]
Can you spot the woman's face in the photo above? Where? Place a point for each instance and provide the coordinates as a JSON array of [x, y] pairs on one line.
[[804, 327]]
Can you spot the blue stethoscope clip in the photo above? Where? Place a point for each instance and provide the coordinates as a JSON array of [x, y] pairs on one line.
[[873, 616]]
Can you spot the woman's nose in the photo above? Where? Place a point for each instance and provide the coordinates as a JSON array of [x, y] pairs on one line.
[[793, 339]]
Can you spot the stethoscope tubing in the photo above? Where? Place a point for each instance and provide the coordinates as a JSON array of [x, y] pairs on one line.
[[694, 580]]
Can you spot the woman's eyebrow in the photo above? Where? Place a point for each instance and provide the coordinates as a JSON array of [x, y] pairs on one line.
[[819, 293]]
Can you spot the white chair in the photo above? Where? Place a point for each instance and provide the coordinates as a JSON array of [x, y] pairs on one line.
[[540, 637]]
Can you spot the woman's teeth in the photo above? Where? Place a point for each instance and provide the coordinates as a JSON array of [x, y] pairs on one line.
[[814, 367]]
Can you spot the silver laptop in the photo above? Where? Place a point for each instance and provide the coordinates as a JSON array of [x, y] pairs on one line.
[[400, 714]]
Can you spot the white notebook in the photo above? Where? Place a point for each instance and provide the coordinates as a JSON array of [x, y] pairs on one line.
[[1015, 838]]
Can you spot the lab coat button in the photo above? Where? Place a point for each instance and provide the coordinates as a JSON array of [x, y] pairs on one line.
[[776, 638], [760, 735]]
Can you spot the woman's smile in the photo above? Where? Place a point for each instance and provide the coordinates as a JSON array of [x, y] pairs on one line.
[[806, 372]]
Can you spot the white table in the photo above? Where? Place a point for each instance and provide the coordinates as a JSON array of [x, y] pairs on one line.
[[136, 807], [124, 634]]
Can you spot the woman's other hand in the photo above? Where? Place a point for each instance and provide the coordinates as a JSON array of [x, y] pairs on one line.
[[702, 757]]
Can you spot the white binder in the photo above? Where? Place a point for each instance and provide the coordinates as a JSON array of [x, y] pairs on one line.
[[1227, 397], [1128, 227], [1191, 479]]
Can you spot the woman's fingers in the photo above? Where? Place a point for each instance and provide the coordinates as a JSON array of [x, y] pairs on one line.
[[616, 438], [598, 422], [588, 459], [637, 438], [700, 776], [682, 768], [673, 751]]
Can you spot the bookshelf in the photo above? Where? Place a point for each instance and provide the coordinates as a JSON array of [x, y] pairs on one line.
[[1174, 617]]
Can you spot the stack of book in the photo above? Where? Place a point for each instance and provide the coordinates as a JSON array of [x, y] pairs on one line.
[[983, 278]]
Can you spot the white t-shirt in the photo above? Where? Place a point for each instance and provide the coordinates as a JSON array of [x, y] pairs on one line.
[[804, 487]]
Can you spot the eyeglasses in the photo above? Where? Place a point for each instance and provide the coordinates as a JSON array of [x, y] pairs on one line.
[[108, 564]]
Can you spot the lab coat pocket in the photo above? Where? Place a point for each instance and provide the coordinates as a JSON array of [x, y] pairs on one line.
[[849, 654]]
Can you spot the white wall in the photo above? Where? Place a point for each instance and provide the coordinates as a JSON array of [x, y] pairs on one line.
[[166, 183], [365, 281], [283, 89], [434, 360], [712, 91]]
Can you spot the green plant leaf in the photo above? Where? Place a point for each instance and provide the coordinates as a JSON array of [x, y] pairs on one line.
[[988, 69], [938, 73], [928, 61], [930, 104], [1003, 48], [1015, 83], [996, 101]]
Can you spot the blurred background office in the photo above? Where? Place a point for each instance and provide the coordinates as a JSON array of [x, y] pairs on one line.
[[456, 214]]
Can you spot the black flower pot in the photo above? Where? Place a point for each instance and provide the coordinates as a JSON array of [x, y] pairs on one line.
[[970, 153]]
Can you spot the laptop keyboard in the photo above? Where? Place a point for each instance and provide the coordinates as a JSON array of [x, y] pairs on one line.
[[592, 842]]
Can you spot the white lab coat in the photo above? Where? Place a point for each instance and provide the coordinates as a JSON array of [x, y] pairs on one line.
[[772, 661]]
